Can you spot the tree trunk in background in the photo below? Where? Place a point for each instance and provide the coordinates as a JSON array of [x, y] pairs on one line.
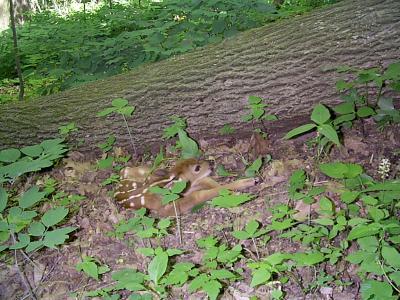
[[290, 63]]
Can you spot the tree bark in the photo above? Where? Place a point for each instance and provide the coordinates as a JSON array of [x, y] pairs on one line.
[[290, 63]]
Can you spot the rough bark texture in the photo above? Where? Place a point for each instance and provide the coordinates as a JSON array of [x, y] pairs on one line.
[[289, 62]]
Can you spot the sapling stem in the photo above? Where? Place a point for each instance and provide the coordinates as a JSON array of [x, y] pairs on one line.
[[130, 135]]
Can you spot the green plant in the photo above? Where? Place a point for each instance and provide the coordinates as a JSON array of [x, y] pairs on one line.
[[327, 133], [227, 129], [228, 199], [188, 146], [16, 162], [65, 130], [108, 144], [21, 222], [120, 106], [92, 267], [252, 232], [216, 260]]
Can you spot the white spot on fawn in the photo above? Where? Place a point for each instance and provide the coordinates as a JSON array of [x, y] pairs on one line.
[[142, 200], [132, 204]]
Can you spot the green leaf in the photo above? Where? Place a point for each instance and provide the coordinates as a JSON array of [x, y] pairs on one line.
[[105, 163], [326, 205], [299, 130], [241, 235], [36, 229], [320, 114], [32, 151], [126, 111], [252, 227], [54, 216], [324, 221], [212, 288], [391, 256], [9, 155], [308, 259], [173, 252], [344, 108], [57, 237], [128, 279], [372, 289], [365, 111], [178, 187], [90, 268], [254, 167], [342, 119], [31, 197], [23, 241], [106, 111], [340, 170], [260, 276], [3, 199], [119, 102], [363, 230], [189, 146], [329, 132], [227, 199], [145, 251], [34, 246], [157, 267], [349, 196]]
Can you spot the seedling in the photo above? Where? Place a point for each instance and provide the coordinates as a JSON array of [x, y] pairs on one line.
[[120, 106], [92, 267]]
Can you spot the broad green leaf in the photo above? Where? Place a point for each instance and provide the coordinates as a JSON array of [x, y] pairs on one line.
[[324, 221], [260, 276], [173, 252], [326, 205], [57, 236], [391, 256], [127, 111], [34, 246], [119, 102], [157, 267], [9, 155], [222, 274], [189, 146], [254, 167], [129, 279], [344, 108], [308, 259], [330, 133], [3, 199], [393, 71], [32, 151], [54, 216], [365, 111], [342, 119], [373, 289], [299, 130], [320, 114], [145, 251], [31, 197], [340, 170], [241, 235], [362, 231], [227, 199], [254, 100], [23, 241], [178, 187], [252, 227], [106, 111], [90, 268], [349, 196], [212, 288], [36, 229], [105, 163]]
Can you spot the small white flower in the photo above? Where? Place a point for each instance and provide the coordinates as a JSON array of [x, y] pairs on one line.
[[384, 168]]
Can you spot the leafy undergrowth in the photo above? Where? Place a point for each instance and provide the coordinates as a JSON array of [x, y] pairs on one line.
[[59, 52], [280, 244]]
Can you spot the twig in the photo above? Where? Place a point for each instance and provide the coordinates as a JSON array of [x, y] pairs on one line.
[[178, 223], [255, 246], [130, 135], [21, 273]]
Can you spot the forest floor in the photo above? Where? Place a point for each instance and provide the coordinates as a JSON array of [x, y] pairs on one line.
[[53, 273]]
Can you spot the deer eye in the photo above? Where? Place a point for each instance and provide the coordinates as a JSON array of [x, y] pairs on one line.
[[197, 168]]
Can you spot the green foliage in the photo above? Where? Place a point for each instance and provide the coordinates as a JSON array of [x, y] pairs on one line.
[[228, 199], [254, 168], [356, 95], [188, 146], [16, 162], [227, 129], [92, 267], [23, 222], [257, 110], [169, 194], [250, 231], [65, 130], [108, 144], [60, 52]]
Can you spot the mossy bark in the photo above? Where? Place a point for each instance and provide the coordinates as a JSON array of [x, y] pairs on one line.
[[290, 63]]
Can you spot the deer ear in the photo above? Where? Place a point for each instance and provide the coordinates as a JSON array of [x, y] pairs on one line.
[[161, 172]]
